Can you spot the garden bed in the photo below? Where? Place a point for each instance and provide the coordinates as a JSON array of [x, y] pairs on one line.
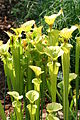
[[37, 83]]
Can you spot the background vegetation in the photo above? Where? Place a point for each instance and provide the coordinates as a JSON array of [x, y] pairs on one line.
[[36, 9]]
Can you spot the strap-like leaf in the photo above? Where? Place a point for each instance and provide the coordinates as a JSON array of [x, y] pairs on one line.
[[2, 114]]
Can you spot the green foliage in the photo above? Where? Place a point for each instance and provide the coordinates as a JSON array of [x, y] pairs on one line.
[[2, 114], [37, 9], [29, 57], [26, 9]]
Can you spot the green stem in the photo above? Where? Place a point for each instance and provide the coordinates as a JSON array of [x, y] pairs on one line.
[[38, 108], [2, 113], [53, 71], [53, 88], [72, 114], [48, 97], [43, 87], [25, 108], [29, 75], [7, 74], [58, 94], [5, 91], [53, 37], [77, 72], [19, 114], [16, 62], [31, 113], [65, 67], [32, 116], [37, 88]]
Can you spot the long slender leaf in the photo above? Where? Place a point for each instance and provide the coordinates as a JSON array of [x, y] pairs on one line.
[[2, 114]]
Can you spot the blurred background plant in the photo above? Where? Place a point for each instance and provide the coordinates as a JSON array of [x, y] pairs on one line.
[[36, 9]]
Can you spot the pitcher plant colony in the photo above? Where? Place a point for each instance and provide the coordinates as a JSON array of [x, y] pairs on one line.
[[32, 61]]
